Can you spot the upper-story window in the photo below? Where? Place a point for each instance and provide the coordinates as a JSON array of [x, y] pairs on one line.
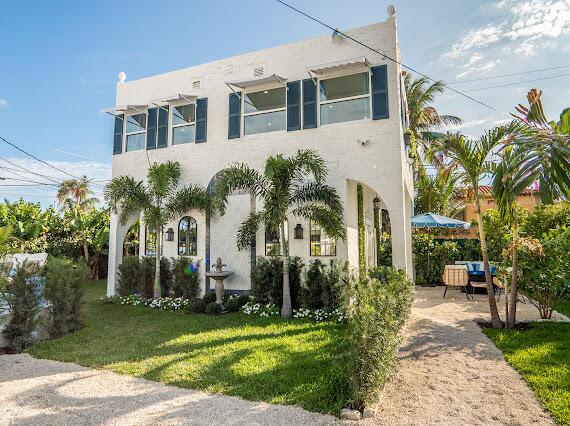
[[183, 124], [264, 111], [136, 132], [345, 98]]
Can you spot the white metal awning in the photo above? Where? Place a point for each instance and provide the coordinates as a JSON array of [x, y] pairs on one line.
[[125, 109], [346, 64], [174, 98], [257, 81]]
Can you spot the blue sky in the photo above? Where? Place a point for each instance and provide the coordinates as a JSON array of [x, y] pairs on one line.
[[60, 61]]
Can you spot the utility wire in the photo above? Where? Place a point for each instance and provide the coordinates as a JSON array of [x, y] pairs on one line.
[[37, 159], [28, 181], [507, 75], [518, 82], [337, 31], [27, 171]]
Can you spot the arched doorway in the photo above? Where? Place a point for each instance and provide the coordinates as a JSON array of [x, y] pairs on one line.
[[131, 244]]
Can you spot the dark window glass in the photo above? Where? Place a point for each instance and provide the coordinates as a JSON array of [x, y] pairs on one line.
[[150, 242], [344, 87], [187, 237], [136, 123], [183, 114], [262, 123], [264, 100], [183, 134]]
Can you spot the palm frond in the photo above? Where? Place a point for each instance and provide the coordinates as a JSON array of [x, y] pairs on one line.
[[325, 217], [305, 162], [247, 231], [191, 197], [238, 177], [126, 196], [163, 178], [315, 192]]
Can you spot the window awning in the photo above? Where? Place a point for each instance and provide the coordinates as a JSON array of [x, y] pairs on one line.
[[125, 109], [346, 64], [174, 98], [257, 81]]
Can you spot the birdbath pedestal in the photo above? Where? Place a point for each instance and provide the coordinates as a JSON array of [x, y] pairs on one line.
[[219, 275]]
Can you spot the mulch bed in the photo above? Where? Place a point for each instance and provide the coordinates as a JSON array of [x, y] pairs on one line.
[[518, 326]]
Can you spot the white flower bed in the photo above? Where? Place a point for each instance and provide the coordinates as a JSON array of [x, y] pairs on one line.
[[259, 309], [320, 315], [162, 303]]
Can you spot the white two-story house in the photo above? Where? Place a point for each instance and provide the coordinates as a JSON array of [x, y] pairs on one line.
[[328, 94]]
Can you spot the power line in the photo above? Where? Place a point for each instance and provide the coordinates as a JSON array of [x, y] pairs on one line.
[[28, 181], [337, 31], [28, 171], [37, 159], [518, 82], [508, 75]]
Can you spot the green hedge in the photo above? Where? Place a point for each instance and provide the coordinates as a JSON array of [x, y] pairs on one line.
[[378, 311]]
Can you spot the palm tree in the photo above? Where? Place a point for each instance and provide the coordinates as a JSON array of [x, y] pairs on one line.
[[438, 193], [76, 193], [423, 116], [474, 159], [285, 190], [158, 200]]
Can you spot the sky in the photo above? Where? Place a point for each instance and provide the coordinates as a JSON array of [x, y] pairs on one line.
[[59, 62]]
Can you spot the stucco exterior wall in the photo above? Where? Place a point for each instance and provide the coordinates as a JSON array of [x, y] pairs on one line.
[[381, 163]]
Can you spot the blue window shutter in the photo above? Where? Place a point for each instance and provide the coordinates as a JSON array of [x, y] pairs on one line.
[[162, 139], [118, 136], [201, 120], [380, 92], [152, 128], [294, 105], [234, 116], [309, 104]]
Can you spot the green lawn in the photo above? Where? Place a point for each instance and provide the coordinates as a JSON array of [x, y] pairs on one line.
[[542, 356], [267, 359], [564, 308]]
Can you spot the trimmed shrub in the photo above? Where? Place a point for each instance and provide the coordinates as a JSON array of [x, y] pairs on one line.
[[209, 297], [65, 282], [197, 306], [213, 308], [146, 284], [267, 280], [323, 286], [22, 295], [233, 304], [129, 276], [438, 252], [545, 272], [185, 278], [377, 315]]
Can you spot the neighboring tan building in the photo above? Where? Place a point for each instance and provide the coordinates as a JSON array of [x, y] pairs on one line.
[[528, 200], [328, 94]]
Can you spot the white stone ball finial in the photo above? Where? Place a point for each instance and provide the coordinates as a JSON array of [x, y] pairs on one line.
[[391, 10], [122, 77]]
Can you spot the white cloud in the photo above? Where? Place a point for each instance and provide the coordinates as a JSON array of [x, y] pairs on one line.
[[23, 171], [480, 69], [527, 26], [470, 124], [3, 102]]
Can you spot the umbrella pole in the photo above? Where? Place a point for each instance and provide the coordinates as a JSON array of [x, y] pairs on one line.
[[428, 262]]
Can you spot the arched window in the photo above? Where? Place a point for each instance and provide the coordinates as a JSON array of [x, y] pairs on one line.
[[187, 237], [273, 241]]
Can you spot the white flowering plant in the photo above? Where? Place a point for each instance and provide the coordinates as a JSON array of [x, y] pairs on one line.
[[260, 309], [161, 303], [320, 315]]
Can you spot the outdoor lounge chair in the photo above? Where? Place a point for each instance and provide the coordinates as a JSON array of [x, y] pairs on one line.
[[456, 276]]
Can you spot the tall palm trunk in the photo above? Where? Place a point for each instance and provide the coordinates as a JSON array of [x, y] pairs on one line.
[[495, 319], [512, 316], [286, 308], [85, 251], [156, 289]]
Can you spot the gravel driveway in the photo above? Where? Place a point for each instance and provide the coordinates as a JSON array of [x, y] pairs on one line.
[[452, 374], [42, 392]]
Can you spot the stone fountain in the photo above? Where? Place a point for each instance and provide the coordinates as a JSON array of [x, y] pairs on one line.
[[219, 275]]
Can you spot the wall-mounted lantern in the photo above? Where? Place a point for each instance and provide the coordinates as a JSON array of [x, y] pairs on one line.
[[169, 235], [298, 232], [376, 203]]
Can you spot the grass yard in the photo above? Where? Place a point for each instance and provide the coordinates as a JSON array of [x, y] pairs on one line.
[[265, 359], [564, 308], [542, 356]]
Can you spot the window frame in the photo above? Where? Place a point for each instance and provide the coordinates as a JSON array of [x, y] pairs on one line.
[[126, 134], [334, 242], [349, 98], [188, 251], [267, 111], [173, 126]]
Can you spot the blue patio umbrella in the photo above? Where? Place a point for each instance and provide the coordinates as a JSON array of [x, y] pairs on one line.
[[432, 220]]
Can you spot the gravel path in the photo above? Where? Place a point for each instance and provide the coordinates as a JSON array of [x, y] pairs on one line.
[[452, 374], [42, 392]]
